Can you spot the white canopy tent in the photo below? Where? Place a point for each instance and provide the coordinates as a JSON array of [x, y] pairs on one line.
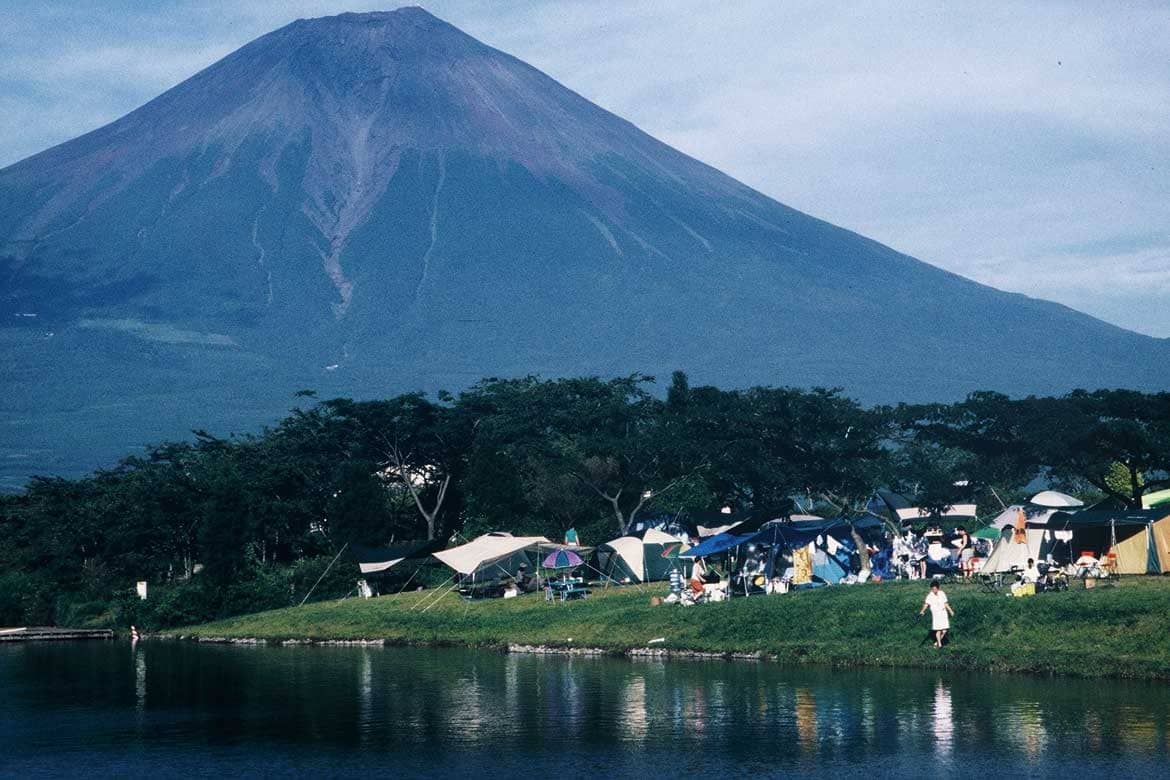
[[706, 531], [1052, 499], [914, 514], [1033, 514], [487, 552], [1038, 510]]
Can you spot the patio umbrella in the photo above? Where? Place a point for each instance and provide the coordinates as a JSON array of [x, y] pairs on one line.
[[562, 559], [674, 549]]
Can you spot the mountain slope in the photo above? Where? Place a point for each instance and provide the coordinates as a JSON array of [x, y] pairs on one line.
[[371, 203]]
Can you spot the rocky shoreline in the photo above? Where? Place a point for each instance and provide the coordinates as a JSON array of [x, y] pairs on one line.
[[559, 650]]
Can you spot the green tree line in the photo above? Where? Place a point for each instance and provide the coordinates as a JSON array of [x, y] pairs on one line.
[[221, 526]]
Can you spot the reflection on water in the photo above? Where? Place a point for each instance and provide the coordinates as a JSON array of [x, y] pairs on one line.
[[181, 709], [633, 710], [139, 680], [943, 721]]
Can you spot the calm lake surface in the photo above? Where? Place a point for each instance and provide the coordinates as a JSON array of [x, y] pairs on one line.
[[188, 710]]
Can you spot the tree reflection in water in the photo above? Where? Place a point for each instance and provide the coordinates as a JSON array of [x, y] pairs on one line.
[[289, 709]]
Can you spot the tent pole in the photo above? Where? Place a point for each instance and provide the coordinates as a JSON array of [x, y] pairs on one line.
[[428, 595], [1113, 540], [440, 598], [424, 598], [1151, 550], [416, 571], [327, 568]]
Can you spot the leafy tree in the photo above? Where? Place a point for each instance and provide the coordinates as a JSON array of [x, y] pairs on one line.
[[1118, 441], [606, 437]]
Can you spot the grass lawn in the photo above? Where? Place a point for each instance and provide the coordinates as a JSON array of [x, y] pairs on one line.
[[1120, 631]]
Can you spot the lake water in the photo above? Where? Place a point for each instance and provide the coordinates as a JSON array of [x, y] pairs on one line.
[[168, 709]]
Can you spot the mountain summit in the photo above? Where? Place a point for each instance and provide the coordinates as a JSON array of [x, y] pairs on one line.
[[371, 203]]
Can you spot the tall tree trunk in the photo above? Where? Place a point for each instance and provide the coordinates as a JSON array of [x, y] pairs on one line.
[[1135, 488], [861, 551], [622, 525], [429, 515]]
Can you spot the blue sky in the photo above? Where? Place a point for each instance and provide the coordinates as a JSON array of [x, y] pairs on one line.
[[1024, 145]]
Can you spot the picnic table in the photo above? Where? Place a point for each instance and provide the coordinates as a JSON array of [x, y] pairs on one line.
[[565, 589]]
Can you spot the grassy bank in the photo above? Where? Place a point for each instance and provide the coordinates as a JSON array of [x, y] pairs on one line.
[[1121, 631]]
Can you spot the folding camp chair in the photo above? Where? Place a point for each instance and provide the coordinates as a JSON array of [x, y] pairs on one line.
[[993, 582]]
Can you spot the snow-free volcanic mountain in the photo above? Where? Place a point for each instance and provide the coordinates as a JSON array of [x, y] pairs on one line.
[[373, 203]]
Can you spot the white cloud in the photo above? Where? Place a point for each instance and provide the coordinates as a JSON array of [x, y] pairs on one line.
[[987, 139]]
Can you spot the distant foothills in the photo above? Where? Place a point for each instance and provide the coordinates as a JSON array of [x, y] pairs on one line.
[[224, 526], [370, 204]]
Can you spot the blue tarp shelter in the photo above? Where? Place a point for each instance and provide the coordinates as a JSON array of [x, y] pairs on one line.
[[780, 536]]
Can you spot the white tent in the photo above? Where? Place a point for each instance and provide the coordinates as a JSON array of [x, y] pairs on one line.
[[1054, 500], [1009, 554], [913, 513], [654, 536], [486, 553], [629, 550], [1034, 514], [641, 558], [706, 531]]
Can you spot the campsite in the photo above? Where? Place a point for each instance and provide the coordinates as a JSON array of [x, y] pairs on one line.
[[793, 591], [1042, 542], [1105, 632], [583, 495]]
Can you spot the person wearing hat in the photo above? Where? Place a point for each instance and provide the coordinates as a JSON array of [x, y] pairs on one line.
[[936, 601]]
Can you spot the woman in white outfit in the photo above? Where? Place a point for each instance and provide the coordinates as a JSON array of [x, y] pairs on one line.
[[937, 602]]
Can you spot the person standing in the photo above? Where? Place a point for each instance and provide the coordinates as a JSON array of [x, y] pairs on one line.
[[571, 537], [965, 551], [936, 601]]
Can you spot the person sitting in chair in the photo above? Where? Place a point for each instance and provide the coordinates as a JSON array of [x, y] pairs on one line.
[[698, 572], [523, 579], [1029, 576], [1087, 565]]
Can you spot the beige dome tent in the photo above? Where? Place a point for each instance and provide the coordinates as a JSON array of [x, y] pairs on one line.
[[649, 559]]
